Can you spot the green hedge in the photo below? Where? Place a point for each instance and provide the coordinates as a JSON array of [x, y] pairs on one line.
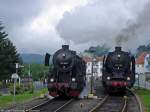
[[1, 85], [21, 88]]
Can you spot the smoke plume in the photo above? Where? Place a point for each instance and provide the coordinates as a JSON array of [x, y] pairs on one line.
[[135, 29], [119, 22]]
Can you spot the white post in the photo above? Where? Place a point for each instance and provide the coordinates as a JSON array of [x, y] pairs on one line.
[[19, 81], [14, 77], [14, 90], [17, 66], [29, 72]]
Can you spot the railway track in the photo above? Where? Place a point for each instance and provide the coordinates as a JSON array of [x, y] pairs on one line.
[[55, 105], [128, 103], [134, 103], [111, 104], [26, 105]]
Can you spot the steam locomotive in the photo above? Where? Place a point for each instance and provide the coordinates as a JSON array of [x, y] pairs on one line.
[[68, 75], [118, 71]]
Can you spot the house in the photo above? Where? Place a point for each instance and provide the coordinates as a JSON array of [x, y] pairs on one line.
[[143, 63], [147, 64], [97, 63], [88, 61], [139, 67]]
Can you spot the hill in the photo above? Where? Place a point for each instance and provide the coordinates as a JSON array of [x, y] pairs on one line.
[[29, 58]]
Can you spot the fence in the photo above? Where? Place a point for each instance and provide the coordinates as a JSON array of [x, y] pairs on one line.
[[141, 81]]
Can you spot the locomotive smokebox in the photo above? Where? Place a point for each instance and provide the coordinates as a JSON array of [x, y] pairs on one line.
[[65, 47], [117, 48]]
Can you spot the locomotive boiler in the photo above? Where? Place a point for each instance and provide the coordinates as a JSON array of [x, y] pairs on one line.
[[118, 71], [68, 75]]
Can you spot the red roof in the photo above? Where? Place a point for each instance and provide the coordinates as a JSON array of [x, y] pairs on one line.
[[89, 59], [99, 58], [141, 57]]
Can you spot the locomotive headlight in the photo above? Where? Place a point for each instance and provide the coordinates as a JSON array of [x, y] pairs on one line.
[[73, 79], [52, 80], [108, 78], [128, 78]]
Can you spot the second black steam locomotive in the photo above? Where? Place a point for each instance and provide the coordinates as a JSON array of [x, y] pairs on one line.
[[118, 71], [68, 75]]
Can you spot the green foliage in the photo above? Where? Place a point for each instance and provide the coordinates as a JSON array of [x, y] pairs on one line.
[[145, 97], [1, 85], [6, 101], [38, 71], [32, 89], [27, 86], [98, 50], [21, 88], [8, 56]]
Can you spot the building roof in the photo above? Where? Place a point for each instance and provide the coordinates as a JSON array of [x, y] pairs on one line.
[[99, 58], [89, 59], [141, 58]]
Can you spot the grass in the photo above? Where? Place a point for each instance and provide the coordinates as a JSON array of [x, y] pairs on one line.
[[6, 101], [145, 97]]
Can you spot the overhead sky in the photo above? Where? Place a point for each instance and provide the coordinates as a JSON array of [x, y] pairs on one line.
[[40, 26]]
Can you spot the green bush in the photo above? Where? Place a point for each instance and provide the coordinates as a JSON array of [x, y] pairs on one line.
[[1, 85], [32, 89], [0, 94], [19, 89], [8, 84]]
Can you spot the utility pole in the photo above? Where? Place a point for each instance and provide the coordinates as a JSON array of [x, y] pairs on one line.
[[17, 66], [92, 50], [29, 72], [92, 78], [14, 77], [138, 81]]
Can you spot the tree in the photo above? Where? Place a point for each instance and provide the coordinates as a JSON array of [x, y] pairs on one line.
[[8, 55], [38, 71], [98, 50], [143, 48]]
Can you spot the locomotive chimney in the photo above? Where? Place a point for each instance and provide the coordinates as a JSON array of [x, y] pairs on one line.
[[74, 52], [118, 48], [65, 47]]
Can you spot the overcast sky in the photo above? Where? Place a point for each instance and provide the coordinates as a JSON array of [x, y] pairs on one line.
[[40, 26]]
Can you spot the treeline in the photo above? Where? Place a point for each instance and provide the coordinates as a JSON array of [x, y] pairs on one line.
[[143, 48], [98, 50], [37, 71], [104, 49], [8, 55]]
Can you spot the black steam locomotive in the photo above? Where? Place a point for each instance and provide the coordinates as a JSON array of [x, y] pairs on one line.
[[68, 75], [118, 71]]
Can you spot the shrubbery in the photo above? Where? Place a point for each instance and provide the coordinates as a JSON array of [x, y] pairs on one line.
[[21, 88], [1, 85]]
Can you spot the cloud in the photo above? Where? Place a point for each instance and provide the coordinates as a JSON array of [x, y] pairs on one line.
[[39, 26], [31, 23], [104, 21]]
